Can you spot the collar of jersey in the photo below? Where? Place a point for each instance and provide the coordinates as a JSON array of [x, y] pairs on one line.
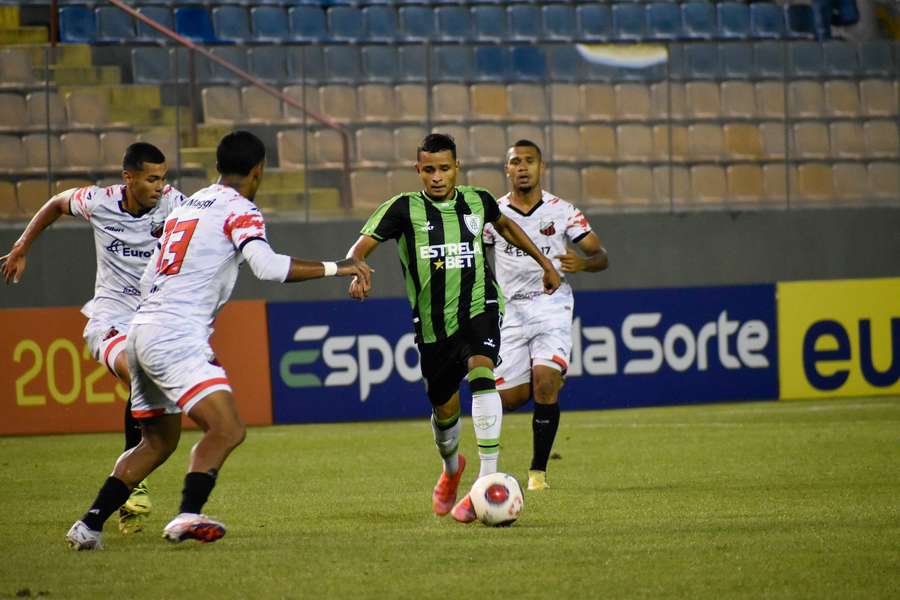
[[536, 206], [446, 202], [122, 208]]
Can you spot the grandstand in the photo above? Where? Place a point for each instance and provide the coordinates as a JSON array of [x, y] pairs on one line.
[[742, 107]]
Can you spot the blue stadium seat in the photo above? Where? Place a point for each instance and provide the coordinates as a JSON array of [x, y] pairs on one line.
[[181, 70], [451, 63], [306, 64], [559, 22], [236, 55], [875, 59], [840, 58], [564, 63], [733, 20], [453, 23], [528, 63], [594, 22], [701, 61], [345, 23], [628, 21], [769, 59], [269, 63], [231, 24], [800, 21], [342, 64], [307, 23], [806, 59], [194, 23], [699, 20], [77, 25], [412, 64], [417, 22], [151, 65], [736, 60], [380, 23], [767, 20], [161, 15], [491, 63], [524, 22], [113, 26], [270, 24], [664, 21], [489, 23], [380, 63]]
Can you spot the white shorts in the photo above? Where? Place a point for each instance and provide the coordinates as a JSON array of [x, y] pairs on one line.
[[171, 371], [106, 341], [529, 339]]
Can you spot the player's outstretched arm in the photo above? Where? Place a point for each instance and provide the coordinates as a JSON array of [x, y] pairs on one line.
[[13, 264], [595, 257], [364, 246], [303, 270], [513, 234], [269, 266]]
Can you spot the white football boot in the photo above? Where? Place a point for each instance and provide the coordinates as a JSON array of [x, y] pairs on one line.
[[82, 537], [192, 526]]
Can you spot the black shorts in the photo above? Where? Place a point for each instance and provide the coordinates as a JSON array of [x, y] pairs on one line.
[[445, 362]]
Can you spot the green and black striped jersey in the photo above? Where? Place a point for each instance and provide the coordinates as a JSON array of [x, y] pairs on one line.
[[448, 279]]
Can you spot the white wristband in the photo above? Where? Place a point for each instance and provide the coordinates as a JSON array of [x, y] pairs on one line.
[[330, 268]]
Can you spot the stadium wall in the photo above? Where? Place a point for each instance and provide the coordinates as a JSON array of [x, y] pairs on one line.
[[646, 251]]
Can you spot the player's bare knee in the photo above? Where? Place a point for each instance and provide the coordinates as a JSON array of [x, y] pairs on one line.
[[546, 391]]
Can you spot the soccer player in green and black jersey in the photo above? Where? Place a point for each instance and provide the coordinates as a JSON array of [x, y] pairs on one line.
[[456, 302]]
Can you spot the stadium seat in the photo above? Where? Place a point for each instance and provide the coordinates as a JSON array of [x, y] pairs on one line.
[[13, 111], [451, 63], [31, 194], [269, 63], [260, 106], [35, 146], [490, 101], [38, 114], [742, 141], [87, 108], [668, 99], [345, 23], [628, 22], [736, 60], [705, 142], [16, 67], [160, 14], [328, 148], [450, 101], [307, 23], [306, 63], [565, 102], [379, 63], [772, 135], [81, 150], [491, 63], [520, 131], [369, 187], [374, 147], [163, 138], [232, 24], [113, 145], [702, 100], [812, 182], [559, 22], [664, 21], [745, 183], [699, 20], [488, 144], [701, 61], [340, 102], [849, 181], [379, 23], [524, 23], [565, 181], [491, 179], [222, 104], [842, 98], [770, 59], [406, 140], [594, 22], [236, 55], [598, 101], [528, 63], [416, 22], [564, 63], [884, 180], [194, 23], [403, 179], [881, 139], [634, 143], [151, 65], [847, 139], [635, 185], [460, 134], [733, 19], [770, 99], [810, 141], [708, 184], [767, 20], [840, 59], [12, 154], [599, 186], [77, 25], [800, 21], [774, 183], [598, 143], [377, 102], [879, 97], [9, 204], [412, 63], [342, 64], [489, 23], [271, 24], [633, 102], [453, 23], [806, 59], [306, 95], [806, 99], [114, 26], [527, 102], [738, 99], [875, 59]]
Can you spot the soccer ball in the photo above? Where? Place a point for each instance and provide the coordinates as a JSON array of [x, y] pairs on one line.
[[497, 499]]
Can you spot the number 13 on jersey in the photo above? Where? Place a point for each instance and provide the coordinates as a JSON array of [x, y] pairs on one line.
[[176, 238]]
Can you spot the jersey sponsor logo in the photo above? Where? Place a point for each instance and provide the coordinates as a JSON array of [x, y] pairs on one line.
[[547, 228], [114, 228], [473, 223], [118, 247], [199, 204], [131, 291], [458, 255]]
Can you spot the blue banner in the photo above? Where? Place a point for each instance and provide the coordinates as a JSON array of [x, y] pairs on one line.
[[354, 361]]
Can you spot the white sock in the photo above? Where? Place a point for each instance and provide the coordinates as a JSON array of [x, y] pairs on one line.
[[487, 417], [446, 438]]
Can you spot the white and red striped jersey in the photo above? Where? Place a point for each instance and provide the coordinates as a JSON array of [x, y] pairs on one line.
[[550, 224], [123, 243], [196, 265]]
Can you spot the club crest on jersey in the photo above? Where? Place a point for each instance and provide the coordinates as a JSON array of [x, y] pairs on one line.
[[473, 222], [547, 228]]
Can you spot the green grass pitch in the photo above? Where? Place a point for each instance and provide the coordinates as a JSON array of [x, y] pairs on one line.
[[764, 500]]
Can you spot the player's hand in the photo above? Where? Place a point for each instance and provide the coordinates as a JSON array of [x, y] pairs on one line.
[[362, 276], [13, 265], [571, 261], [357, 291], [551, 280]]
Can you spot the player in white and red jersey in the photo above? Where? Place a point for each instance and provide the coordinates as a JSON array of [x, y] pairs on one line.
[[126, 220], [536, 334], [188, 279]]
